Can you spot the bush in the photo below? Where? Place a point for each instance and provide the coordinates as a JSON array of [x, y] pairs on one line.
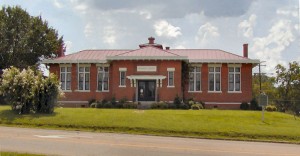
[[177, 101], [29, 91], [271, 108], [159, 105], [114, 102], [196, 107], [254, 104], [130, 105], [91, 101], [99, 105], [93, 105], [244, 106]]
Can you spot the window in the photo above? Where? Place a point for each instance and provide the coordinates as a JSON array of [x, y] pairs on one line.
[[234, 80], [123, 78], [65, 78], [170, 77], [214, 78], [194, 79], [84, 78], [103, 78]]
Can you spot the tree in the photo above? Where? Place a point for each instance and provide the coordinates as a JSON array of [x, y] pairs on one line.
[[289, 83], [267, 85], [25, 39]]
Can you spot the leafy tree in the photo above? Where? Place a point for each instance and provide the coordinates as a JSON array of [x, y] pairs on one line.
[[25, 39], [267, 85], [289, 86], [29, 90]]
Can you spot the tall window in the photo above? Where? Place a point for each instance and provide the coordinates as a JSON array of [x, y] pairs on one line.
[[65, 78], [123, 78], [195, 79], [84, 78], [214, 78], [103, 78], [234, 79], [171, 77]]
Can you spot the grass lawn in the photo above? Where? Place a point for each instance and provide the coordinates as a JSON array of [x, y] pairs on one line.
[[215, 124]]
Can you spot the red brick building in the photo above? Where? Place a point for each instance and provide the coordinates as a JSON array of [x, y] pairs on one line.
[[152, 73]]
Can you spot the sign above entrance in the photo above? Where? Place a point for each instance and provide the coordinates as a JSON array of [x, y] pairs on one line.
[[146, 68]]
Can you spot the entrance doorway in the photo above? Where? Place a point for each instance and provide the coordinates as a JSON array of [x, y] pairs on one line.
[[146, 90]]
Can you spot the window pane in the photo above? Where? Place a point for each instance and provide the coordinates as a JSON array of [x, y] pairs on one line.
[[69, 69], [62, 85], [81, 77], [87, 69], [87, 77], [237, 69], [231, 78], [218, 84], [211, 82], [62, 77], [80, 85], [68, 77], [217, 69], [231, 69], [237, 77], [100, 85], [198, 82], [211, 69], [62, 69], [191, 69], [197, 69], [68, 86], [81, 69], [231, 86], [105, 86], [106, 69]]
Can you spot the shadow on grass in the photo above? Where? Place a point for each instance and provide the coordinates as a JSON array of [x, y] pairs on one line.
[[8, 116]]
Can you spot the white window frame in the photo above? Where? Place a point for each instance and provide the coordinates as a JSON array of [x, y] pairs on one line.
[[84, 87], [171, 71], [103, 71], [234, 66], [194, 73], [66, 66], [214, 66], [122, 70]]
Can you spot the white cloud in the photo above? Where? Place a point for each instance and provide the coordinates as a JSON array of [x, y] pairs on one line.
[[57, 4], [271, 47], [109, 35], [146, 14], [88, 30], [288, 11], [206, 33], [246, 26], [68, 45], [165, 29]]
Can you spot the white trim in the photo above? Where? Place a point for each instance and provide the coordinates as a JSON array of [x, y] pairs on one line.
[[82, 90], [235, 92], [102, 65], [170, 69], [195, 65], [146, 68], [214, 91], [195, 91], [123, 69], [98, 91], [146, 77], [170, 86], [67, 91], [85, 65]]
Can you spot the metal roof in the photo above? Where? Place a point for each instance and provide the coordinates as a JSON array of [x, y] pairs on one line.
[[153, 53]]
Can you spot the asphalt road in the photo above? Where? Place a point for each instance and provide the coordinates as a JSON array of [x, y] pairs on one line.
[[59, 142]]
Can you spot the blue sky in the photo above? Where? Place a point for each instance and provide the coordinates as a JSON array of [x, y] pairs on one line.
[[270, 27]]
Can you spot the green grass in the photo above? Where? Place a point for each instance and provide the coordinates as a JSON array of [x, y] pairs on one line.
[[17, 154], [215, 124]]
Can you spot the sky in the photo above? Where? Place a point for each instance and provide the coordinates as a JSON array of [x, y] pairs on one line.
[[270, 27]]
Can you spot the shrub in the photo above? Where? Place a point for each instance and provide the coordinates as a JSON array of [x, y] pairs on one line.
[[244, 106], [159, 105], [107, 104], [114, 102], [130, 105], [254, 104], [91, 101], [93, 105], [99, 105], [29, 91], [271, 108], [177, 101], [197, 106]]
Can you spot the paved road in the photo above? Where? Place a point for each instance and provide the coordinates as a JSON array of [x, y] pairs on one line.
[[58, 142]]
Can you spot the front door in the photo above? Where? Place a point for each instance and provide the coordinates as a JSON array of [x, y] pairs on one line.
[[146, 90]]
